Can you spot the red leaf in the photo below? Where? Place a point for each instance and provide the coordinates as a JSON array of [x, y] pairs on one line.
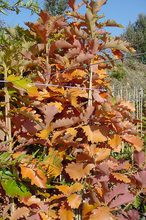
[[63, 44], [141, 177], [122, 199]]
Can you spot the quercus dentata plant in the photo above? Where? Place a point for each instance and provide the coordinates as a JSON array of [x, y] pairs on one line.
[[66, 127]]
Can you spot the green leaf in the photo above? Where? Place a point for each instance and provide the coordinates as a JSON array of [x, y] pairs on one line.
[[12, 187], [5, 157], [137, 202], [19, 82]]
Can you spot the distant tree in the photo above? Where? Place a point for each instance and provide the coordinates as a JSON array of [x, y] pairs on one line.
[[17, 4], [136, 34], [56, 7]]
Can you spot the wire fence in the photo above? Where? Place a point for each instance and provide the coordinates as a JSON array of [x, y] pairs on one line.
[[136, 96]]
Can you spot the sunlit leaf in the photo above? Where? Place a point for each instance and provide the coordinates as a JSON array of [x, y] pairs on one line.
[[66, 213], [76, 171], [12, 187], [36, 176], [94, 136], [121, 177], [136, 141]]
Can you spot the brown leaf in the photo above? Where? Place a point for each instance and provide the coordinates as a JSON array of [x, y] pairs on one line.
[[88, 113], [19, 213], [84, 57], [71, 4], [117, 43], [63, 44], [76, 171], [66, 122], [97, 97]]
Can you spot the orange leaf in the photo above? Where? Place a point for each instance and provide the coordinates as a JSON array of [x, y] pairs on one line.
[[87, 208], [44, 134], [66, 213], [67, 190], [36, 176], [76, 170], [66, 122], [74, 94], [74, 201], [94, 136], [33, 91], [121, 177], [99, 189], [31, 201], [136, 141], [102, 154], [115, 141], [101, 213], [43, 216]]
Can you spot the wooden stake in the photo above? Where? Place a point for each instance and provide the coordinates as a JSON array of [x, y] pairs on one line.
[[7, 110], [90, 88]]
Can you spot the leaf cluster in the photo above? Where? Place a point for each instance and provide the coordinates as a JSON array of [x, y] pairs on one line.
[[66, 128]]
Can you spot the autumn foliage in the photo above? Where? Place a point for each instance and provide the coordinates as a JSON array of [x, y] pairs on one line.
[[67, 129]]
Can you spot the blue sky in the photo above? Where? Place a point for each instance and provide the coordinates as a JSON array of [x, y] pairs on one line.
[[123, 11]]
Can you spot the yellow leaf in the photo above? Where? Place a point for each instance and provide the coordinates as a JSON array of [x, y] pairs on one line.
[[44, 133], [43, 216], [53, 163], [121, 177], [33, 91], [70, 134], [74, 94], [115, 141], [57, 90]]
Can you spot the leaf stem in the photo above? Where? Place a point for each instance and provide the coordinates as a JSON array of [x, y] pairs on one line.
[[90, 88], [7, 110]]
